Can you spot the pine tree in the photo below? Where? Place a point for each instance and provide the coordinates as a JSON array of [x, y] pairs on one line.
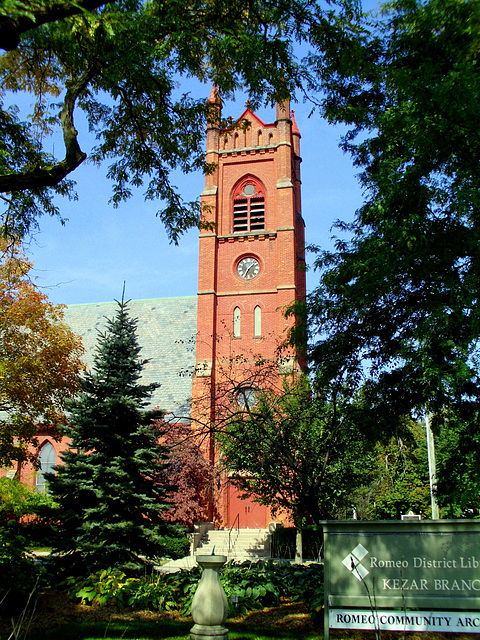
[[111, 487]]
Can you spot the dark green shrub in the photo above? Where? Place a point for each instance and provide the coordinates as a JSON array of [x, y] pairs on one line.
[[177, 547], [284, 542], [163, 592], [39, 533], [108, 586], [262, 584], [308, 587], [255, 585], [18, 500], [20, 575]]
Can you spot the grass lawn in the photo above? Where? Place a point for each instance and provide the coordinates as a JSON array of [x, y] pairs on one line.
[[150, 630], [176, 630], [57, 618]]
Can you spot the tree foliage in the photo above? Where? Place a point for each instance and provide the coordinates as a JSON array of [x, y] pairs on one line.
[[40, 359], [189, 473], [458, 466], [399, 481], [298, 450], [110, 487], [18, 500], [121, 64], [400, 297], [21, 576]]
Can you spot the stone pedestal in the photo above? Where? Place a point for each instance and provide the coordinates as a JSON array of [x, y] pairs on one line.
[[209, 604]]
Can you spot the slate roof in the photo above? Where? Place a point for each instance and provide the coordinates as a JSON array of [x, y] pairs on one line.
[[166, 331]]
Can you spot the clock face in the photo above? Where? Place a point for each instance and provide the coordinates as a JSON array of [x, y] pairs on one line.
[[248, 268]]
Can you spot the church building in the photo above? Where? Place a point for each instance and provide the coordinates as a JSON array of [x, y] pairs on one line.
[[251, 267]]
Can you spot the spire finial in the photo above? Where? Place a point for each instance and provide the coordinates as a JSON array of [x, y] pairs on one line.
[[214, 97], [295, 129]]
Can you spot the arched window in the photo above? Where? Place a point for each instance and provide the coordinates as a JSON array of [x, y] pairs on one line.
[[259, 138], [249, 207], [257, 322], [47, 461], [247, 397], [236, 322]]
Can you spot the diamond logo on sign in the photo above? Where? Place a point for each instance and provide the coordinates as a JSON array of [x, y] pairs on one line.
[[353, 560]]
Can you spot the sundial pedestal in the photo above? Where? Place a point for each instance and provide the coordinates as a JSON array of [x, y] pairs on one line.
[[209, 604]]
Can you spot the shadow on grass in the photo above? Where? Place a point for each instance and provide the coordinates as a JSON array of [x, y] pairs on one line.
[[150, 630]]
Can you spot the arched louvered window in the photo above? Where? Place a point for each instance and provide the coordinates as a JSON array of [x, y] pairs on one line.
[[249, 207], [237, 318], [47, 460]]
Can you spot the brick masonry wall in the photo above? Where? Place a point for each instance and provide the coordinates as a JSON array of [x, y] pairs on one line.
[[268, 153]]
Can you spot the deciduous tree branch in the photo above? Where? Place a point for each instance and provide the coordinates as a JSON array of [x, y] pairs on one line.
[[12, 26], [49, 176]]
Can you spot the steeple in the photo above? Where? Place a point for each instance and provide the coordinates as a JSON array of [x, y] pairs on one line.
[[214, 97], [250, 268], [296, 133], [284, 142], [214, 105], [213, 119]]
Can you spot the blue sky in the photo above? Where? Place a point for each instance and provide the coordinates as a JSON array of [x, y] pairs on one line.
[[99, 247]]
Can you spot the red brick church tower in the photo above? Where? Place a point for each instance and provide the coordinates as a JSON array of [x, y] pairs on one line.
[[251, 267]]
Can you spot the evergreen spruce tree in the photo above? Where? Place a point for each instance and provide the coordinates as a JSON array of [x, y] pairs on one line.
[[111, 487]]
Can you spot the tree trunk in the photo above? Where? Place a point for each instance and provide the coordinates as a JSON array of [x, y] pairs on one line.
[[298, 547]]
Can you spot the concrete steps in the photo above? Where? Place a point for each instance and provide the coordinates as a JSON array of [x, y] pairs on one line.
[[238, 544]]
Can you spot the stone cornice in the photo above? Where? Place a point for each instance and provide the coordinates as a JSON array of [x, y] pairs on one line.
[[256, 292], [244, 150], [248, 236], [210, 191]]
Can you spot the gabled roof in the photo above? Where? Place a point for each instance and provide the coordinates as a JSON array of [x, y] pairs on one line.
[[253, 118], [166, 331]]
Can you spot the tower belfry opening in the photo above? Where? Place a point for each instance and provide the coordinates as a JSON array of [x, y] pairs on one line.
[[249, 207]]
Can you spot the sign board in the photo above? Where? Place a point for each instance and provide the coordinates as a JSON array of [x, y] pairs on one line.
[[410, 516], [408, 575], [419, 621]]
